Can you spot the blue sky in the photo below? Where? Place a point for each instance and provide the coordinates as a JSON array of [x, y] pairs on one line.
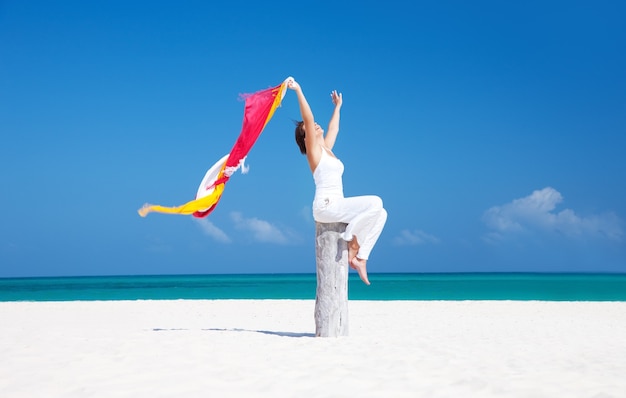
[[495, 133]]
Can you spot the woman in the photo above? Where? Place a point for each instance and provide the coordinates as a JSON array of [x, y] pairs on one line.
[[364, 215]]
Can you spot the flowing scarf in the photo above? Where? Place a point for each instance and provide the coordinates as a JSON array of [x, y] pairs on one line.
[[259, 109]]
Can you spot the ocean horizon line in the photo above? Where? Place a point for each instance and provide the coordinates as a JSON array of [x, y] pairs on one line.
[[351, 275], [385, 286]]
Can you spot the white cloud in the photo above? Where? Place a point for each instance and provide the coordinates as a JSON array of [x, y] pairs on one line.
[[413, 238], [210, 229], [262, 230], [536, 213]]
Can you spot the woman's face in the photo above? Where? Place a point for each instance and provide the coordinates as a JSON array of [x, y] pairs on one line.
[[318, 129]]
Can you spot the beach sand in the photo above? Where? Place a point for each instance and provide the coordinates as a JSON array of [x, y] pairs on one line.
[[267, 348]]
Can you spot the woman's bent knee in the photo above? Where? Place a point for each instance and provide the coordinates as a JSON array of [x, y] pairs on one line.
[[376, 203], [383, 215]]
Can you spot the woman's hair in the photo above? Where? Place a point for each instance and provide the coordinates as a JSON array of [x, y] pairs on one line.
[[300, 136]]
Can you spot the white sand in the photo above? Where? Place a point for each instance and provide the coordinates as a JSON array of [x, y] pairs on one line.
[[266, 348]]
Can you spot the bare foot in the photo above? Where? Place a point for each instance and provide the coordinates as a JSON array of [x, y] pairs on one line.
[[353, 249], [359, 265], [145, 209]]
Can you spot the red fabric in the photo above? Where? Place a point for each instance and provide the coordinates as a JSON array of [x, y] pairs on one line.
[[258, 106], [202, 214]]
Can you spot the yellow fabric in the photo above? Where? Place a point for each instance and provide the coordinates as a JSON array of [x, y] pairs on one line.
[[189, 207], [277, 100]]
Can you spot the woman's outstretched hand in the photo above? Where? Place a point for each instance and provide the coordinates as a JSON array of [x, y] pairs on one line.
[[292, 84], [337, 98]]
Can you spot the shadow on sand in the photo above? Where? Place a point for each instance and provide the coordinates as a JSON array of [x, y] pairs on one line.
[[273, 333]]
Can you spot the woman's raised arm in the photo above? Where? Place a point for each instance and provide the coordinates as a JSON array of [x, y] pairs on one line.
[[333, 125], [310, 138]]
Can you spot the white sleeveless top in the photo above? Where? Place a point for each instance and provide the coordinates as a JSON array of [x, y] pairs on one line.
[[327, 176]]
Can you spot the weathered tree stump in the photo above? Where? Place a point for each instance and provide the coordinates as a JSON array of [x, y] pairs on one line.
[[331, 299]]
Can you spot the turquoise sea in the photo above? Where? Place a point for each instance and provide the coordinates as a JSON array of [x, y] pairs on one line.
[[470, 286]]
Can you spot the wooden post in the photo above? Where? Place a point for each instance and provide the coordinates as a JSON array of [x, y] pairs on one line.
[[331, 299]]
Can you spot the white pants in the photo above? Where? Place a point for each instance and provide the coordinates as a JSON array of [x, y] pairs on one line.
[[364, 215]]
